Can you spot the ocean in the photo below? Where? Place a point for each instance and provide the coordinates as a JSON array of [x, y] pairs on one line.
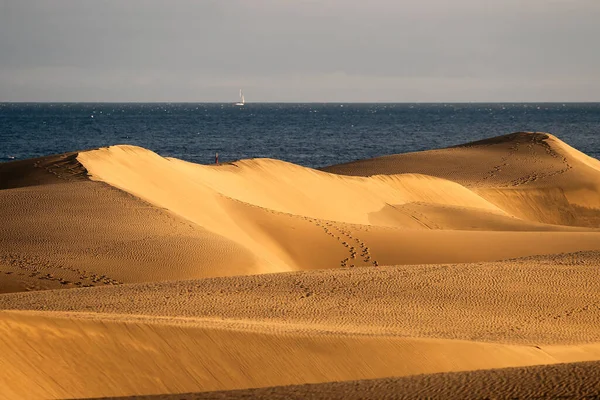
[[313, 135]]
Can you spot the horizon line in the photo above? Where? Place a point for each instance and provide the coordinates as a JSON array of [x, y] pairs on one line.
[[298, 102]]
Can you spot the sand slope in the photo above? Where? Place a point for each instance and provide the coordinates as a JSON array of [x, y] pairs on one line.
[[261, 273]]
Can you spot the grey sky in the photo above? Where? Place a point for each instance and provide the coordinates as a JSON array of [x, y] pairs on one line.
[[303, 50]]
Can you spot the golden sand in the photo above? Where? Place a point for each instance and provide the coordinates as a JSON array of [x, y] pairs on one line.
[[258, 273]]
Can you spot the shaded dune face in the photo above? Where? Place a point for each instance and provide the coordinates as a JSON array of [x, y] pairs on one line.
[[258, 273], [41, 171]]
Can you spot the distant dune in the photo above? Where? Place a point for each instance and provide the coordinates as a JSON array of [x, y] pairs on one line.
[[532, 176], [262, 273]]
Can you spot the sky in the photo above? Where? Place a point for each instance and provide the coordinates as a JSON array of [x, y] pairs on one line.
[[300, 50]]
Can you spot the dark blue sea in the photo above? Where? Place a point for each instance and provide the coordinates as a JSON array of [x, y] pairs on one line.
[[312, 135]]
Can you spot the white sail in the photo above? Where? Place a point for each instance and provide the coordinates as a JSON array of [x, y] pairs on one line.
[[242, 101]]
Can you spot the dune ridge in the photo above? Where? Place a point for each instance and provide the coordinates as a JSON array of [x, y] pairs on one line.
[[261, 273]]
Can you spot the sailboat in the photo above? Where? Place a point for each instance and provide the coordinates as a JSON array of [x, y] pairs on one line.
[[241, 102]]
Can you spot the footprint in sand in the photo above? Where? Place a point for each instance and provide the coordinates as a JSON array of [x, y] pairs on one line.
[[331, 229]]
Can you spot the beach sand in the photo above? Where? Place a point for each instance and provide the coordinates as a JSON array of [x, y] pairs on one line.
[[412, 275]]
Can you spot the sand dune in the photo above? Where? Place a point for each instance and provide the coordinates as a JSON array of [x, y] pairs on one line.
[[532, 176], [169, 219], [523, 158], [272, 208], [192, 278]]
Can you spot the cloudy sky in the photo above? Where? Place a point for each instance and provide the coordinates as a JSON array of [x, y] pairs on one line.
[[302, 50]]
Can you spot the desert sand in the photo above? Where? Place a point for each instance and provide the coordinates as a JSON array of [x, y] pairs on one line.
[[124, 273]]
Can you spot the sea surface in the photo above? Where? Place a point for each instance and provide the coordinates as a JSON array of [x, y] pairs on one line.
[[312, 135]]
